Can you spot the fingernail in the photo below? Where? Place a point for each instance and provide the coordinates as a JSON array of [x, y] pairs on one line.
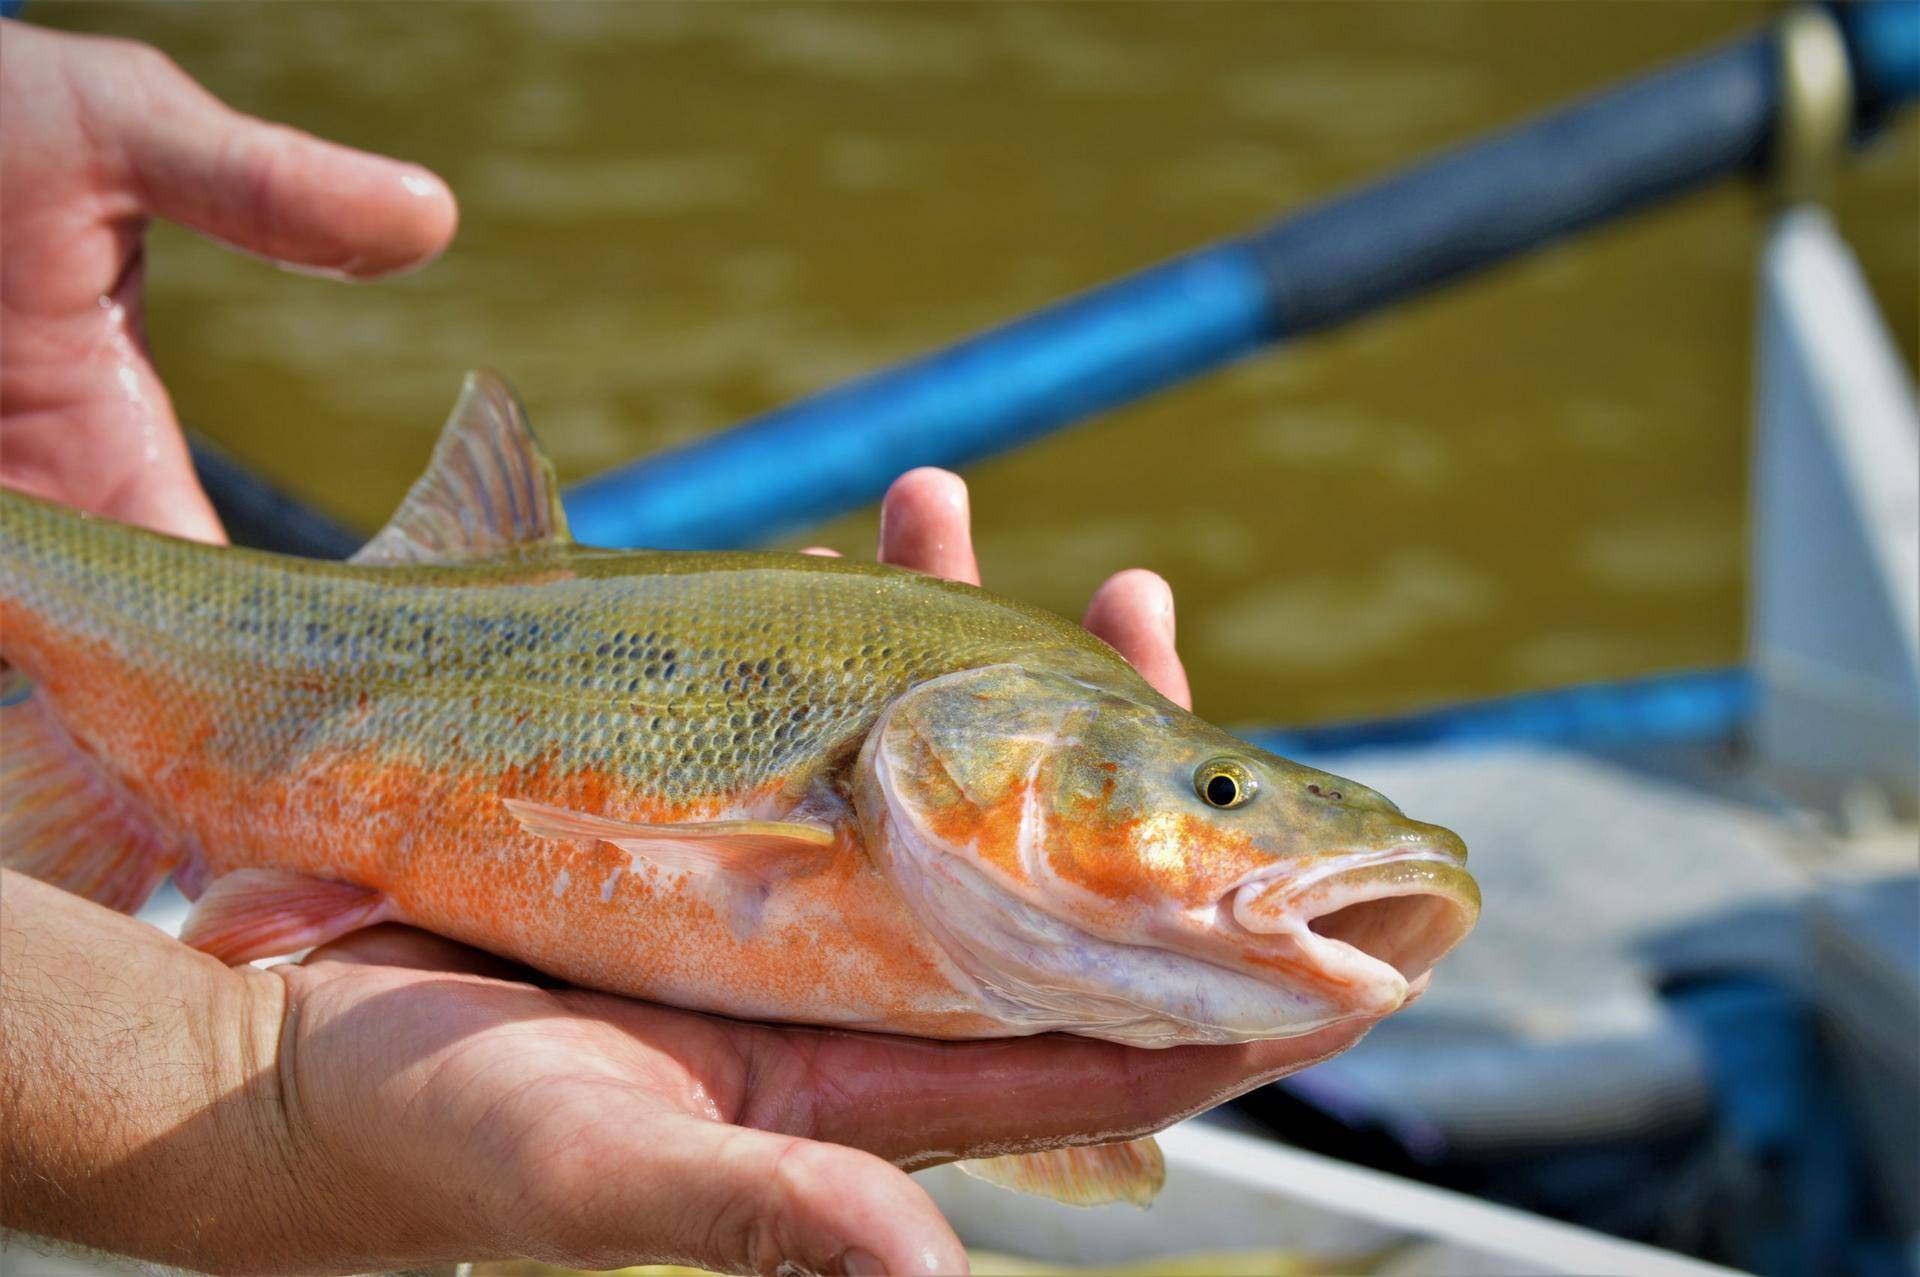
[[855, 1262], [421, 184]]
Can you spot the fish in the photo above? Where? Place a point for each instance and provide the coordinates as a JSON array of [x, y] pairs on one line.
[[770, 786]]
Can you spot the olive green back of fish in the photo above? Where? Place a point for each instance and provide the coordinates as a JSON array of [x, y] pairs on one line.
[[701, 674]]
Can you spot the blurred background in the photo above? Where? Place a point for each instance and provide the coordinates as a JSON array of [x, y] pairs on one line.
[[674, 216], [1691, 1013]]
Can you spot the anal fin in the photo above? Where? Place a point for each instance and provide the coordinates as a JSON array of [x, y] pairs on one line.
[[63, 819], [1092, 1176], [263, 913]]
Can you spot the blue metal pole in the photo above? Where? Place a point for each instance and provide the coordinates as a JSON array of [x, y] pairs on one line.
[[840, 449], [1687, 707], [1883, 46], [1622, 150]]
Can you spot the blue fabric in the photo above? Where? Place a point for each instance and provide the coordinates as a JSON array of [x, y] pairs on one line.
[[1779, 1114]]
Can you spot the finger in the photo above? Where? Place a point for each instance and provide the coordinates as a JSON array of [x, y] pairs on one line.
[[821, 551], [737, 1200], [919, 1103], [266, 188], [1133, 611], [924, 525]]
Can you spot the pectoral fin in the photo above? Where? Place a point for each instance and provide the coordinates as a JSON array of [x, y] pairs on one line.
[[1095, 1176], [751, 850], [262, 913]]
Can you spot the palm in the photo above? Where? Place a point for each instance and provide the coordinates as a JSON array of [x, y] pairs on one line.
[[533, 1101]]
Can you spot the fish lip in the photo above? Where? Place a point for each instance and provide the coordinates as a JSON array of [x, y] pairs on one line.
[[1329, 865], [1370, 983]]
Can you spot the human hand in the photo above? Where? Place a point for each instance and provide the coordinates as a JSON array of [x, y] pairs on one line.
[[422, 1100], [487, 1115], [99, 136]]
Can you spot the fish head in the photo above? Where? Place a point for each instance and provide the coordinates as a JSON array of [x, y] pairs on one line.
[[1096, 860]]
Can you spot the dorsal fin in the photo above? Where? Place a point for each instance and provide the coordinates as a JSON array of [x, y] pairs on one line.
[[488, 489]]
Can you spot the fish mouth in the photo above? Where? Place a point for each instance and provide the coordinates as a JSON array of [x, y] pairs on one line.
[[1371, 925]]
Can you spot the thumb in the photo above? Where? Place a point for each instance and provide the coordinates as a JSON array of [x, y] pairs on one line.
[[266, 188], [732, 1199]]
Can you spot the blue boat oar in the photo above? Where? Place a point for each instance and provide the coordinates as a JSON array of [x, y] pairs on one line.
[[1621, 150], [1685, 707]]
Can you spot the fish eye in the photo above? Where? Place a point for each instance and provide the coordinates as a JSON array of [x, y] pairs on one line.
[[1224, 783]]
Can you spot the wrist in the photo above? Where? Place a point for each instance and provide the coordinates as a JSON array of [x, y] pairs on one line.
[[249, 1191], [322, 1198], [370, 1186], [145, 1111]]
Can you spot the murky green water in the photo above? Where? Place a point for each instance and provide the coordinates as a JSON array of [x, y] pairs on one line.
[[676, 216]]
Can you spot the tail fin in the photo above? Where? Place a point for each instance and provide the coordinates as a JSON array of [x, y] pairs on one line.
[[62, 819]]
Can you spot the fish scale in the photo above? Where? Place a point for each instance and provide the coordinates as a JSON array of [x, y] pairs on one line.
[[708, 673], [770, 786], [360, 723]]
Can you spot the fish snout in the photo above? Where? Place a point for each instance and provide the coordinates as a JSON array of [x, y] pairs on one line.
[[1435, 839], [1371, 925]]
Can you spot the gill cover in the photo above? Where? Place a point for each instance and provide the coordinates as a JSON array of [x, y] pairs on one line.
[[951, 793], [980, 796]]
